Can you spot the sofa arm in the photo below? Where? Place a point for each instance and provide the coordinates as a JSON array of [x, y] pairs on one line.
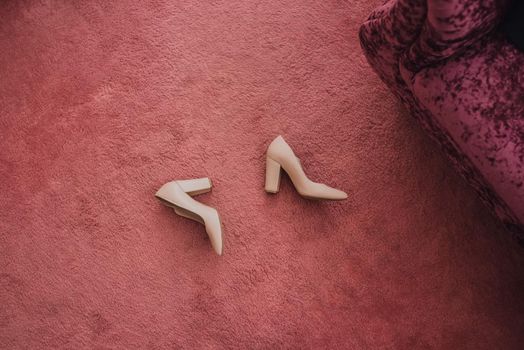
[[451, 26], [389, 31]]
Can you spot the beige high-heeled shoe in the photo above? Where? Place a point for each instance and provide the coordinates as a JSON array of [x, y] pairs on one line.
[[280, 155], [176, 194]]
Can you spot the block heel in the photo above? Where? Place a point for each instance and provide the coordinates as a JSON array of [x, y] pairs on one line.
[[272, 176]]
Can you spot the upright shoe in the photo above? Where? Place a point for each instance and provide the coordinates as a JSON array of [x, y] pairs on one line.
[[177, 194], [280, 156]]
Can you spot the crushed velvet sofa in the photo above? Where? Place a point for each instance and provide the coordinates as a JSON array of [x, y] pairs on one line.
[[450, 64]]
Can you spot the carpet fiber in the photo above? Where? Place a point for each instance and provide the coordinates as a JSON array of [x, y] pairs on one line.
[[102, 102]]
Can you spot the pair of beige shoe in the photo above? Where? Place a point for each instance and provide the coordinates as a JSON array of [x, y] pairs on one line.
[[177, 194]]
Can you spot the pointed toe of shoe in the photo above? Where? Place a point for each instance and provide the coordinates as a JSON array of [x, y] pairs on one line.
[[214, 231], [215, 235], [324, 192], [333, 194], [218, 249], [338, 194]]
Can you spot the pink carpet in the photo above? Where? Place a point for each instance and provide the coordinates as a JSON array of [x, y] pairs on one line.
[[102, 103]]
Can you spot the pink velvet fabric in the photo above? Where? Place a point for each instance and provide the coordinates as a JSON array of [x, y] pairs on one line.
[[465, 83], [101, 102]]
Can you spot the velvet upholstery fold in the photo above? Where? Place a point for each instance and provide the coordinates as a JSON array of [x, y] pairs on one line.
[[449, 64]]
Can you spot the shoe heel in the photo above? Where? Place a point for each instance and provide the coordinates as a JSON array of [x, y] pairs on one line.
[[272, 176]]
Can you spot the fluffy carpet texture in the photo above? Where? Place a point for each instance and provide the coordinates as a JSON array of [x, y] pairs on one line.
[[102, 102]]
